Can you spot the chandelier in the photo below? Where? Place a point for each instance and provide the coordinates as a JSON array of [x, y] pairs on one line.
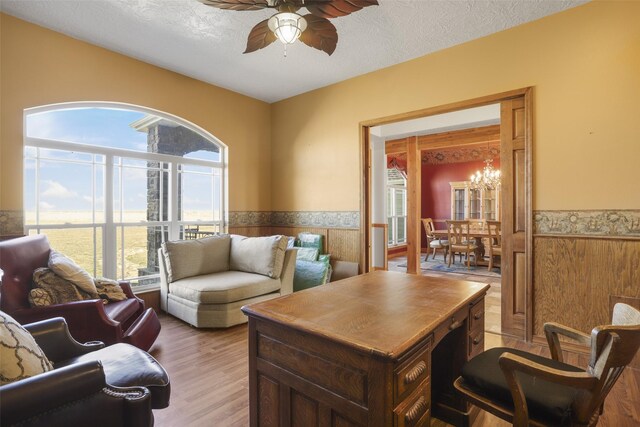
[[488, 179]]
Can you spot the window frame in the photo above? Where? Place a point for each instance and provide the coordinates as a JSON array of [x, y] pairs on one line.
[[392, 189], [110, 227]]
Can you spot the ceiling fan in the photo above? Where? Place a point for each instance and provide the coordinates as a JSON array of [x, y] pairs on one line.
[[313, 29]]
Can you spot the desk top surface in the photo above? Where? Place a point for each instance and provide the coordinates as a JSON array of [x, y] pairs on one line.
[[382, 312]]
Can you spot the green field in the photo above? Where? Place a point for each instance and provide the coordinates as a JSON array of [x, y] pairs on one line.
[[79, 243]]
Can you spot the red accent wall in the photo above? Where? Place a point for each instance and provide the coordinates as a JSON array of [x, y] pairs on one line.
[[436, 191]]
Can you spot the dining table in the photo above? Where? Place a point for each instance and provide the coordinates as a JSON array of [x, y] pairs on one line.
[[478, 236]]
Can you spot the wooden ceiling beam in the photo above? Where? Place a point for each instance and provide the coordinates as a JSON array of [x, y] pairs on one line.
[[465, 137]]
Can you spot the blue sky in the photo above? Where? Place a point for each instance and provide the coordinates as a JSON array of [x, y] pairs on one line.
[[94, 126], [68, 186]]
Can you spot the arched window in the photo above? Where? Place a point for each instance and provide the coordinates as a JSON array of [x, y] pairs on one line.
[[108, 183]]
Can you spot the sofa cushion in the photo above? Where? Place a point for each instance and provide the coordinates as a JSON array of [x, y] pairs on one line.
[[224, 287], [109, 289], [67, 269], [307, 254], [20, 355], [260, 255], [62, 291], [39, 297], [188, 258]]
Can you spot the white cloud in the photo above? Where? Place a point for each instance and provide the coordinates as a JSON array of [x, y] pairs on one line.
[[55, 189], [46, 206]]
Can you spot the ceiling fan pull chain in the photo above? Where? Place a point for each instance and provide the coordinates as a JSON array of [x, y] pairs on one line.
[[285, 50]]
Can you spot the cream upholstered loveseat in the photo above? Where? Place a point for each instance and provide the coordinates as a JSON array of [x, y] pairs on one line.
[[206, 281]]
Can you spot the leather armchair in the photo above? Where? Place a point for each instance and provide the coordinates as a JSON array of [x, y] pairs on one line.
[[122, 321], [90, 385]]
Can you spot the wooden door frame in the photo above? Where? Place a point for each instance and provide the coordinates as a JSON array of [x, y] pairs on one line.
[[365, 182]]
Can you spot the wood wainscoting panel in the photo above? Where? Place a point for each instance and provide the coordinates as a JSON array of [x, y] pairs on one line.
[[574, 278], [151, 299], [342, 243], [294, 231], [251, 231]]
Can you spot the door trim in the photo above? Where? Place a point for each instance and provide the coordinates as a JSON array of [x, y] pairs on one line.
[[365, 181]]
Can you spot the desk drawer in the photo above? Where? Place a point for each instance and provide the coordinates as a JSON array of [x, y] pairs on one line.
[[450, 324], [415, 411], [411, 373], [476, 342], [476, 316]]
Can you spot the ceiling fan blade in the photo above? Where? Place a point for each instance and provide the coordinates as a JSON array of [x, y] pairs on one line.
[[237, 4], [320, 33], [338, 8], [259, 37]]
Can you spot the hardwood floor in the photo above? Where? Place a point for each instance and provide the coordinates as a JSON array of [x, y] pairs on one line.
[[209, 384]]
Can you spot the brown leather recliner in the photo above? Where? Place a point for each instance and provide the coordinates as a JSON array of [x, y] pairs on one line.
[[122, 321], [91, 384]]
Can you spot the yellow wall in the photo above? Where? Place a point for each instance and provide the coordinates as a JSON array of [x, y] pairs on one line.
[[42, 67], [583, 63], [302, 154]]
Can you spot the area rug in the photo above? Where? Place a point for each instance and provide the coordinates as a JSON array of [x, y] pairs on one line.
[[457, 268]]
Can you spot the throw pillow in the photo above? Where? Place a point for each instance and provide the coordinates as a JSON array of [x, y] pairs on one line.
[[61, 290], [188, 258], [39, 297], [307, 254], [260, 255], [109, 289], [69, 270], [20, 355]]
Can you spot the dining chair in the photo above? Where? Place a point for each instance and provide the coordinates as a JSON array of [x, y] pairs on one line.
[[526, 389], [460, 241], [435, 242], [495, 241]]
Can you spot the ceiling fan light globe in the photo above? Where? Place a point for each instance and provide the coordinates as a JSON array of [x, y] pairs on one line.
[[287, 26]]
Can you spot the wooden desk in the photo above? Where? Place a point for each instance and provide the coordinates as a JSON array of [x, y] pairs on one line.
[[360, 351]]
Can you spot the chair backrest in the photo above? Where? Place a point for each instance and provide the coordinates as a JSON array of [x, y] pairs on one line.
[[427, 223], [19, 258], [495, 233], [458, 232], [613, 347]]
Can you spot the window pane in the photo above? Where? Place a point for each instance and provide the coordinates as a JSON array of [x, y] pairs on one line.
[[83, 245], [137, 250], [196, 231], [30, 200], [196, 195], [140, 191], [391, 232], [65, 192], [402, 230]]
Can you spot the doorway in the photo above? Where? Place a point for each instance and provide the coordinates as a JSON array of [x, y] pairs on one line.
[[514, 210]]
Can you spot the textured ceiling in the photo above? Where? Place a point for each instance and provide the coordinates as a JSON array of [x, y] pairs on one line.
[[207, 43]]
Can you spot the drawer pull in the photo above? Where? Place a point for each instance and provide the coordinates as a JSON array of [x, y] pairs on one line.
[[455, 324], [415, 373], [416, 410], [476, 341], [478, 315]]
